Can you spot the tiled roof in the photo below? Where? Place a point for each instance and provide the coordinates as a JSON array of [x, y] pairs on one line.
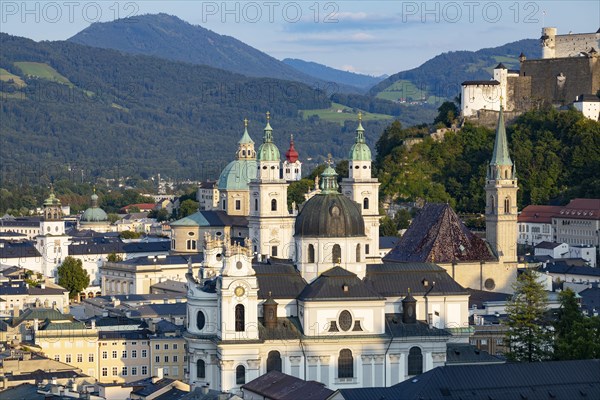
[[146, 387], [387, 242], [462, 353], [42, 314], [490, 82], [21, 249], [567, 380], [211, 218], [539, 214], [275, 385], [560, 267], [165, 260], [114, 245], [395, 279], [437, 235], [173, 394], [581, 209], [288, 328], [547, 245], [280, 279], [478, 297], [590, 299], [396, 328], [338, 284]]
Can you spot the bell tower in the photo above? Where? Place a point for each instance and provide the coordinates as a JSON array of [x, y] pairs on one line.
[[362, 188], [501, 198]]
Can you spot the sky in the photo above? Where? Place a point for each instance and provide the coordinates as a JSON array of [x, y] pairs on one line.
[[371, 37]]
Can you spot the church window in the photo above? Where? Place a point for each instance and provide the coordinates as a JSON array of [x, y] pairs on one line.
[[274, 361], [366, 249], [240, 375], [366, 203], [336, 253], [492, 204], [505, 174], [172, 244], [345, 320], [358, 253], [191, 244], [223, 204], [415, 361], [507, 205], [238, 265], [273, 205], [243, 152], [238, 204], [240, 318], [273, 251], [255, 204], [200, 369], [200, 320], [287, 170], [311, 253], [345, 364], [489, 284]]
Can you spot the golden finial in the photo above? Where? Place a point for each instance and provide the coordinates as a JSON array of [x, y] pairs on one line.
[[339, 260], [291, 137], [329, 161], [245, 122], [359, 116], [94, 189], [268, 115]]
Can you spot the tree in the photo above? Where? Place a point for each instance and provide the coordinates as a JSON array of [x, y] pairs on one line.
[[72, 276], [577, 337], [448, 112], [130, 235], [114, 257], [387, 227], [297, 190], [188, 207], [528, 337]]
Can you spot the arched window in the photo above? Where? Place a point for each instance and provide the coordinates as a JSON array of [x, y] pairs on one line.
[[311, 253], [358, 253], [200, 320], [274, 361], [243, 152], [366, 203], [200, 369], [345, 364], [507, 205], [415, 361], [506, 174], [336, 253], [492, 205], [240, 318], [273, 205], [240, 375]]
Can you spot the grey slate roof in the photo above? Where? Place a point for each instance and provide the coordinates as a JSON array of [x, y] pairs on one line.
[[330, 286], [396, 328], [478, 297], [547, 245], [105, 245], [436, 234], [394, 279], [165, 260], [568, 380], [21, 249], [462, 353], [280, 278], [590, 299], [561, 267], [388, 242], [275, 385]]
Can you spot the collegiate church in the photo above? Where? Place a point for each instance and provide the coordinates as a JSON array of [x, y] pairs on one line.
[[305, 292]]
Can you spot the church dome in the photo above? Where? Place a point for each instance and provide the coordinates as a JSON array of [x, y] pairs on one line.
[[291, 155], [359, 150], [329, 213], [94, 213], [267, 150], [237, 175]]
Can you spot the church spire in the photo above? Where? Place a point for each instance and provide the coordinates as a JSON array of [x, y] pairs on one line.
[[268, 151], [268, 136], [245, 145], [500, 155], [329, 184], [291, 155], [360, 150]]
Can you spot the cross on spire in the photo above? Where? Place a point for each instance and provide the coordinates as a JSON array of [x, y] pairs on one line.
[[329, 160], [245, 122], [359, 116], [268, 115]]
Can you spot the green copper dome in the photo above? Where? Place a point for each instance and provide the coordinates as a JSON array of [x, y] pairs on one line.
[[237, 175], [267, 150], [94, 213], [359, 150], [52, 200]]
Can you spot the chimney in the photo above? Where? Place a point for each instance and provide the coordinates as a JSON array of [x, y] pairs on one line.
[[36, 324], [205, 389], [409, 309], [159, 375], [93, 324], [270, 312]]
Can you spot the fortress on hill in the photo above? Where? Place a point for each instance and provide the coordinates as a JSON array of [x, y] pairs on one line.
[[568, 73]]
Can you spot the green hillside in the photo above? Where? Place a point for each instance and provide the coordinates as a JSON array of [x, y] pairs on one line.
[[340, 113]]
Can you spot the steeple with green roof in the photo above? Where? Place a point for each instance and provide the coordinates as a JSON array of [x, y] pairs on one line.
[[360, 151], [268, 151], [329, 184], [245, 145], [501, 166]]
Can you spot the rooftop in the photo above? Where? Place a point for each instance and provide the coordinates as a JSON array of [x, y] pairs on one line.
[[275, 385]]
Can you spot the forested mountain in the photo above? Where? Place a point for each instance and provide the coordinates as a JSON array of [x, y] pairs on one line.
[[556, 154], [166, 36], [441, 76], [64, 105], [329, 74]]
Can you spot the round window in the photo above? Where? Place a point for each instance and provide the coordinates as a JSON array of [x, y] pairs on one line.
[[489, 284], [200, 320], [345, 320], [238, 265], [191, 233]]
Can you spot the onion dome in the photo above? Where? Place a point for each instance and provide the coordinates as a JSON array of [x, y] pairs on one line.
[[94, 213], [267, 150], [359, 150]]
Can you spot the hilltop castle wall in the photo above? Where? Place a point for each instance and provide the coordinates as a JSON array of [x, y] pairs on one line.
[[571, 45]]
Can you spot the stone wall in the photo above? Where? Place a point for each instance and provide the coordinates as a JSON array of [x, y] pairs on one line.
[[572, 45]]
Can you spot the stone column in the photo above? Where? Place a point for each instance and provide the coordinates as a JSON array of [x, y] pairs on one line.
[[295, 366], [378, 370], [367, 371], [313, 368], [325, 369]]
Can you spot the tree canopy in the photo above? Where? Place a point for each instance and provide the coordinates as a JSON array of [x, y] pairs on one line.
[[72, 276]]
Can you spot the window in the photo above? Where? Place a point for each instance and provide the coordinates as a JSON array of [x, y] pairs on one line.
[[175, 346], [105, 355], [345, 320], [91, 357], [68, 358], [415, 361], [366, 249], [144, 370], [366, 203], [492, 205], [133, 353], [240, 317], [115, 371], [336, 254], [104, 371], [166, 359], [166, 346], [133, 370], [124, 371], [273, 205], [57, 357], [345, 364], [157, 359], [255, 204], [223, 204], [200, 320], [311, 253], [507, 205], [200, 369], [79, 358], [274, 361], [191, 244], [144, 353], [124, 354], [273, 251], [358, 253], [175, 371], [114, 354], [238, 204], [175, 359], [240, 375], [157, 347]]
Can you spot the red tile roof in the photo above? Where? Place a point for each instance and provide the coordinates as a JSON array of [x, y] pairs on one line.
[[539, 214], [581, 209]]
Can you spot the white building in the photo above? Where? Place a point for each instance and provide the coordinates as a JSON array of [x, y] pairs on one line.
[[589, 105]]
